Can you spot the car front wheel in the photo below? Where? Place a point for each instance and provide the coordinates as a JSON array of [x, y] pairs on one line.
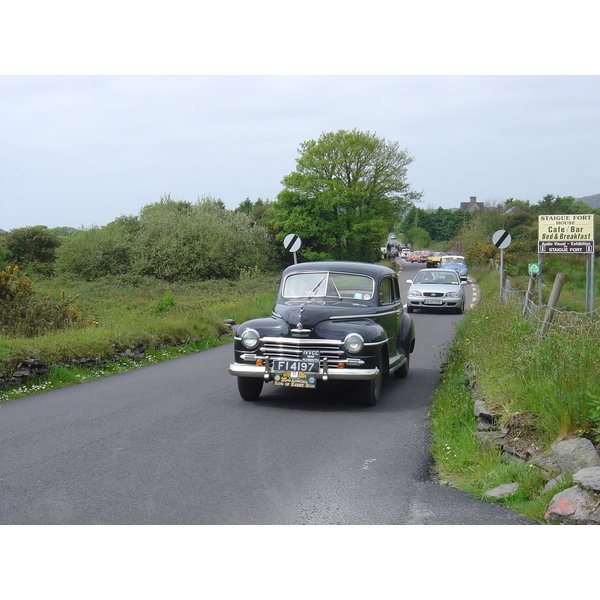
[[402, 372], [370, 391], [250, 388]]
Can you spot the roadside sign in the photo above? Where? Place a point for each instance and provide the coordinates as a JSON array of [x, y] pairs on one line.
[[534, 269], [566, 233], [292, 242], [501, 239]]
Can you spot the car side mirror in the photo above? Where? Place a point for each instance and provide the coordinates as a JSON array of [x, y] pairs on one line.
[[409, 281], [463, 282]]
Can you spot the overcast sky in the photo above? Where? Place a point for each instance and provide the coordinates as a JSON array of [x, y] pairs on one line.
[[81, 150]]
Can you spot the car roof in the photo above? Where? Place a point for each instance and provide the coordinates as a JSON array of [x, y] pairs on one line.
[[449, 256], [360, 268]]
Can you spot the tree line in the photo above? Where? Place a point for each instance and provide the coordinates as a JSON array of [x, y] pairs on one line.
[[348, 191]]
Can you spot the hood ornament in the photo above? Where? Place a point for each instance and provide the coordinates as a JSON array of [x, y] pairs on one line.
[[299, 327]]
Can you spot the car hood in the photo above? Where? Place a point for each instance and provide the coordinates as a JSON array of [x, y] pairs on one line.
[[310, 314]]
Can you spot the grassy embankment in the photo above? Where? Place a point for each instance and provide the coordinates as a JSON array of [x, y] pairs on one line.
[[544, 389], [166, 320]]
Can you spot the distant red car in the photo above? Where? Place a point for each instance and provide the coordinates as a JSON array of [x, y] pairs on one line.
[[423, 256]]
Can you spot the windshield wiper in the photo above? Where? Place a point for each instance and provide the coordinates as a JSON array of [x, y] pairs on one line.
[[314, 290], [336, 289]]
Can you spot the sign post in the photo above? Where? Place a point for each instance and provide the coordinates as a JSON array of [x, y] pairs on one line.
[[292, 243], [501, 239], [571, 234]]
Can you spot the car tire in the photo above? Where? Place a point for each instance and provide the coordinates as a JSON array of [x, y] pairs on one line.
[[370, 391], [250, 388], [402, 372], [409, 308]]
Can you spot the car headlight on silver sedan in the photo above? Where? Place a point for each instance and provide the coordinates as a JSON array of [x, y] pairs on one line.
[[452, 294]]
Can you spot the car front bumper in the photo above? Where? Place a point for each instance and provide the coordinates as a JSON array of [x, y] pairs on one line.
[[326, 372], [445, 303]]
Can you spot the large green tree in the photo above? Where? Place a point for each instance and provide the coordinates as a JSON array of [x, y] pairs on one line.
[[31, 244], [348, 190]]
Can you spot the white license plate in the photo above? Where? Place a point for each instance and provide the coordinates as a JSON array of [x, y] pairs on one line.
[[296, 365], [434, 302]]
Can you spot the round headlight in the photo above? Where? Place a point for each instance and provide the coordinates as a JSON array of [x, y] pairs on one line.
[[353, 343], [250, 339]]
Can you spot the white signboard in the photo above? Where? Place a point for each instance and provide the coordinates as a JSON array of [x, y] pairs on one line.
[[566, 233]]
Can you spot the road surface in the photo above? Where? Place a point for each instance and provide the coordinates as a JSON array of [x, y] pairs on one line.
[[173, 443]]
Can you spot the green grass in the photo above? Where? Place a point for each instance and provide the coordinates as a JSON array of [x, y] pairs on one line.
[[544, 390], [140, 313]]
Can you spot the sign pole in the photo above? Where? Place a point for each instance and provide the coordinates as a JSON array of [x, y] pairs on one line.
[[589, 285], [501, 274], [501, 239]]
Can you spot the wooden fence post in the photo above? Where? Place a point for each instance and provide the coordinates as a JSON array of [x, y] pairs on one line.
[[552, 302]]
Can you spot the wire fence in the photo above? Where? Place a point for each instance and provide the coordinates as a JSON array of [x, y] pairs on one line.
[[573, 316]]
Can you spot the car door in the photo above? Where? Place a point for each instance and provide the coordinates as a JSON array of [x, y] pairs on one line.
[[390, 309]]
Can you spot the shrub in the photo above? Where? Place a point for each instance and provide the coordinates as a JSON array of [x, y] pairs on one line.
[[25, 313], [32, 244]]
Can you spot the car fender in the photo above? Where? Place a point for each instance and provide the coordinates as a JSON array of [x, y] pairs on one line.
[[406, 335], [266, 326]]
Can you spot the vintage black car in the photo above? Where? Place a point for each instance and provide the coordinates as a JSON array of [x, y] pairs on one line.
[[332, 321]]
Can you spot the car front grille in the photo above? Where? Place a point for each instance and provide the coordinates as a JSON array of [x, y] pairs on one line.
[[293, 348], [433, 294]]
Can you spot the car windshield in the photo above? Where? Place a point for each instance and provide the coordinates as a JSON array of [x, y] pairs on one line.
[[328, 285], [455, 260], [437, 277]]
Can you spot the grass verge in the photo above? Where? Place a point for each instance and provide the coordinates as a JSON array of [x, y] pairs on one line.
[[543, 389], [164, 320]]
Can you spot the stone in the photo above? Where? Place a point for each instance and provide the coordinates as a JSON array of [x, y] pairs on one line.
[[502, 491], [575, 506], [588, 478], [483, 412], [575, 454], [553, 483], [490, 439]]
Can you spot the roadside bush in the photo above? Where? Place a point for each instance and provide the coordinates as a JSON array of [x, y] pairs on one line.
[[96, 252], [31, 244], [184, 242], [25, 313], [170, 240]]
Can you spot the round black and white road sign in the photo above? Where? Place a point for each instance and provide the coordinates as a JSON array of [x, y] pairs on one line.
[[292, 242], [501, 239]]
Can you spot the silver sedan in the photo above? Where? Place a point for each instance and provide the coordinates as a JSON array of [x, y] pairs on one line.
[[436, 288]]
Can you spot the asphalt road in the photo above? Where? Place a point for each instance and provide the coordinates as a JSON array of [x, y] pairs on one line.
[[173, 443]]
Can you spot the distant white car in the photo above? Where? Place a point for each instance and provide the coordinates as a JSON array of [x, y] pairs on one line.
[[436, 288]]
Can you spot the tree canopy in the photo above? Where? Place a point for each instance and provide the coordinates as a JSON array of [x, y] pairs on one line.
[[348, 190]]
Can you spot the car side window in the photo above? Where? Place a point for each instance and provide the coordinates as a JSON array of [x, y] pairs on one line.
[[396, 289], [386, 291]]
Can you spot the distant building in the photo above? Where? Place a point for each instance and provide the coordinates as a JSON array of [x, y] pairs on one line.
[[471, 206]]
